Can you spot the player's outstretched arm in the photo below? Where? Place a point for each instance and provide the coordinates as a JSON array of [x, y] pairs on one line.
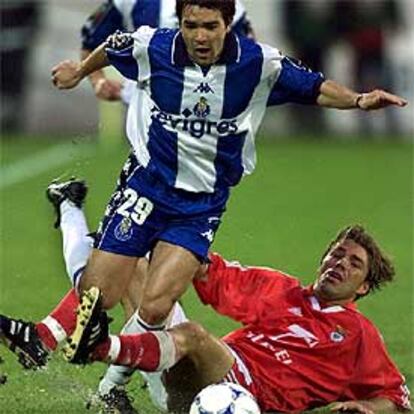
[[334, 95], [372, 406], [68, 74], [104, 88]]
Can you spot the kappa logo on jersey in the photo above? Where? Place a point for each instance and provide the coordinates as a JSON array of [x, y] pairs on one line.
[[209, 235], [195, 127], [201, 108], [204, 87]]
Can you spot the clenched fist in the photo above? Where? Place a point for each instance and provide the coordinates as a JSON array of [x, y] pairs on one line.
[[66, 74]]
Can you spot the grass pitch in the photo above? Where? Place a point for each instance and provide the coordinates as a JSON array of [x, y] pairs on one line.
[[282, 216]]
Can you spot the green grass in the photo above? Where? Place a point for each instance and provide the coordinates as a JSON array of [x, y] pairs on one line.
[[282, 216]]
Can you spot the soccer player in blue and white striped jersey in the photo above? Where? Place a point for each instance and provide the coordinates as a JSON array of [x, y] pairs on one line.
[[202, 91], [113, 15]]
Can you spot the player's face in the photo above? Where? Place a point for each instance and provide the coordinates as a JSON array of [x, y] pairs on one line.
[[342, 273], [204, 31]]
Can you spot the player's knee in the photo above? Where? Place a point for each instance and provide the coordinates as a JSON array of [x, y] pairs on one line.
[[191, 336], [155, 310]]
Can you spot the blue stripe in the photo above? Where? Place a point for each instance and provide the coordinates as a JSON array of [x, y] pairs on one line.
[[123, 61], [242, 78], [296, 83], [228, 162], [162, 147], [167, 81], [146, 13], [105, 21]]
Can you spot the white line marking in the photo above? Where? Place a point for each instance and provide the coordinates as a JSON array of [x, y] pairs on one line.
[[41, 162]]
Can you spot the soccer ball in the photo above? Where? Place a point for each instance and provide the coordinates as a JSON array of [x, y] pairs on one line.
[[224, 398]]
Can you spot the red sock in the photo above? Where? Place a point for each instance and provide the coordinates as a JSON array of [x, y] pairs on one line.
[[65, 315], [140, 351]]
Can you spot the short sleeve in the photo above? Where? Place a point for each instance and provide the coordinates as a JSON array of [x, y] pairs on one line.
[[296, 83]]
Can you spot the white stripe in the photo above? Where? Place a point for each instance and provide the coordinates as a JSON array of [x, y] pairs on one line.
[[315, 304], [39, 163], [331, 309], [139, 110], [232, 377], [251, 118], [114, 349], [27, 334], [241, 366], [196, 156], [240, 10], [55, 328], [168, 18], [13, 327], [125, 7], [142, 38]]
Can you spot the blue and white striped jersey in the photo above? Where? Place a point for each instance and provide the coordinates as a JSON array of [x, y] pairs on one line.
[[193, 127], [128, 15]]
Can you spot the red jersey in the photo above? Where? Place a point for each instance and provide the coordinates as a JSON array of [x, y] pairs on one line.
[[300, 353]]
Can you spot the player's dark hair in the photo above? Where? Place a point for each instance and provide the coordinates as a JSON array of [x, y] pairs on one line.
[[226, 7], [380, 268]]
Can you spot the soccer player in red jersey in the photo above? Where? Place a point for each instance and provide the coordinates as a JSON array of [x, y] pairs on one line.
[[299, 347]]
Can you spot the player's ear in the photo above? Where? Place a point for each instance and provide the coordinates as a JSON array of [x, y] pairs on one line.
[[363, 289]]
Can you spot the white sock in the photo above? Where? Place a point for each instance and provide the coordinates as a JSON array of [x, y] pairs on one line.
[[77, 245], [119, 375], [176, 316]]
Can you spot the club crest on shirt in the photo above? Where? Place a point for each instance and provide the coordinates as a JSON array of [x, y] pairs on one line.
[[338, 335], [123, 230], [201, 109]]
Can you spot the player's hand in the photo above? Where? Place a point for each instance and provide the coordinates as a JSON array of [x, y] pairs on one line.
[[107, 89], [359, 407], [66, 74], [378, 99]]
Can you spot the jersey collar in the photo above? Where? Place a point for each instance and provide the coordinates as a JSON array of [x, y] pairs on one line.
[[230, 54], [321, 307]]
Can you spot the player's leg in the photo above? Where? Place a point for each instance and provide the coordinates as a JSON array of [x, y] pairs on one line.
[[111, 393], [67, 199], [32, 343], [168, 277], [161, 350], [118, 245], [207, 361], [170, 272], [24, 338], [103, 268], [117, 376]]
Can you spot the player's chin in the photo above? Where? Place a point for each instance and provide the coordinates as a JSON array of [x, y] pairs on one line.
[[327, 290]]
